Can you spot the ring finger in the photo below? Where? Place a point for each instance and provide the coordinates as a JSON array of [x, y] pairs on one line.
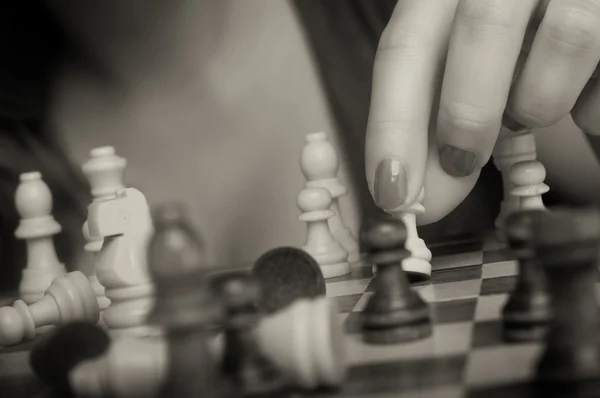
[[563, 56]]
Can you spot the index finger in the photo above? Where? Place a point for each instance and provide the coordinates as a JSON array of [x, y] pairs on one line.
[[406, 76]]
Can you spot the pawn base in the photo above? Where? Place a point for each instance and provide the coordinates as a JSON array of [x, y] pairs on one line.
[[335, 270], [416, 269], [513, 332], [399, 334]]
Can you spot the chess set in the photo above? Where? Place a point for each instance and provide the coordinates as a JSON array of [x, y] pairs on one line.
[[510, 314]]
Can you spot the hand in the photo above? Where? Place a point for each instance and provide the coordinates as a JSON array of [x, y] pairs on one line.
[[456, 69]]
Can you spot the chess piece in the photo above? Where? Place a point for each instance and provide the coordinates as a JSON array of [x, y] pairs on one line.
[[527, 312], [131, 367], [528, 184], [249, 371], [55, 355], [125, 225], [306, 341], [33, 200], [287, 274], [566, 243], [104, 171], [510, 148], [69, 298], [418, 264], [320, 164], [185, 308], [395, 313], [314, 204]]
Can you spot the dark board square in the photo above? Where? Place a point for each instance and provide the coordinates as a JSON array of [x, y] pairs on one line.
[[458, 247], [456, 274], [347, 303], [496, 256], [454, 311], [371, 286], [500, 285], [22, 387], [487, 334], [352, 323], [513, 390], [402, 376]]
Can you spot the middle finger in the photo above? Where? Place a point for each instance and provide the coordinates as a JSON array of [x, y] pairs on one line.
[[484, 46]]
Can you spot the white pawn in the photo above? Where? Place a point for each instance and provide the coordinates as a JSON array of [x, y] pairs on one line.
[[33, 201], [314, 204], [510, 149], [104, 171], [419, 262], [319, 164], [528, 184]]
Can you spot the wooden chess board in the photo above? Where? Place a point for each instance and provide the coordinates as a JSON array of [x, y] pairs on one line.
[[465, 357]]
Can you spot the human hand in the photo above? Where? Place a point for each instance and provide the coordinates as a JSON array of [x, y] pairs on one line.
[[456, 69]]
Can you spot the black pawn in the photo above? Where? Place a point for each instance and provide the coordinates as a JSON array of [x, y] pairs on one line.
[[527, 312], [567, 245], [395, 313], [249, 371], [285, 275], [185, 306]]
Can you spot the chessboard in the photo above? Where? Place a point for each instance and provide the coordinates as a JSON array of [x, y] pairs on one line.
[[464, 357]]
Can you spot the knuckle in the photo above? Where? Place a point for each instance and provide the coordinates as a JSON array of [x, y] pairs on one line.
[[574, 29], [467, 118], [536, 113], [487, 12], [396, 37]]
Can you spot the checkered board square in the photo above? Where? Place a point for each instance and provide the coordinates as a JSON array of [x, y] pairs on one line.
[[465, 356]]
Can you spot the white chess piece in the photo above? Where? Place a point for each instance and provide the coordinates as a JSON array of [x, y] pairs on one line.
[[528, 184], [320, 164], [419, 262], [314, 204], [510, 148], [125, 224], [33, 201], [104, 171]]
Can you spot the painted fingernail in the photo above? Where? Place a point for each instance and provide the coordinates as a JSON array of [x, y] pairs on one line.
[[513, 125], [391, 184], [457, 162]]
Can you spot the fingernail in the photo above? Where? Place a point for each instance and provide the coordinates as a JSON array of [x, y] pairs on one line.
[[513, 125], [457, 162], [391, 184]]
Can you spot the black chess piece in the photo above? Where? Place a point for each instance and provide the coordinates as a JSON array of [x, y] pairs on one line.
[[62, 349], [527, 312], [185, 306], [285, 275], [566, 242], [249, 371], [395, 313]]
